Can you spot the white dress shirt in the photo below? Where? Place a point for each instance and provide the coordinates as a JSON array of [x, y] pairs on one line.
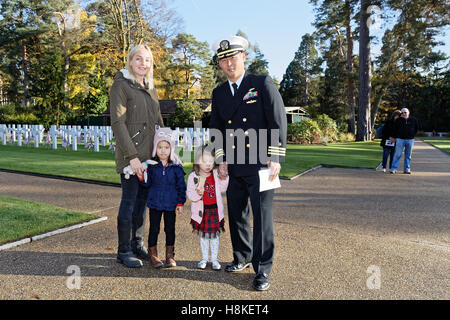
[[238, 82]]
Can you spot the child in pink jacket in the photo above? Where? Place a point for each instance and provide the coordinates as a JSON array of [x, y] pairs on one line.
[[204, 189]]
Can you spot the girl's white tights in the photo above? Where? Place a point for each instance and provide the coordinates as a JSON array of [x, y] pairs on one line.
[[214, 243], [205, 244]]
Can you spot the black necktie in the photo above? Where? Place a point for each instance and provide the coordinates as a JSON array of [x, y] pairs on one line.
[[235, 88]]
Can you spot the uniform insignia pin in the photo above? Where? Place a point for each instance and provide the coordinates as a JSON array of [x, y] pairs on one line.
[[250, 94], [224, 44]]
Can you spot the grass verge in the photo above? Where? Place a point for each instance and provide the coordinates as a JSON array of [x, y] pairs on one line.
[[99, 166], [21, 218], [349, 154], [441, 143]]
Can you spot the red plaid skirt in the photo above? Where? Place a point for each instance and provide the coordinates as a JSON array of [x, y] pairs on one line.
[[210, 221]]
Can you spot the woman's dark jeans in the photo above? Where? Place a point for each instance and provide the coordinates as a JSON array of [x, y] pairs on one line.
[[387, 153], [132, 214], [169, 227]]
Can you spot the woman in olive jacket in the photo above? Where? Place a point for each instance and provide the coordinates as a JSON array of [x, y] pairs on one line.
[[134, 109]]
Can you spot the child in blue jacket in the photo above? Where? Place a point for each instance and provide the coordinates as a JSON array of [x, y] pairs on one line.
[[167, 194]]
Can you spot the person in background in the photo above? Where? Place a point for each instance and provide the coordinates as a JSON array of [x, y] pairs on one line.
[[405, 128], [387, 140]]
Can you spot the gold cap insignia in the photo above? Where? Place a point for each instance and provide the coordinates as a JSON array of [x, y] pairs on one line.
[[224, 44]]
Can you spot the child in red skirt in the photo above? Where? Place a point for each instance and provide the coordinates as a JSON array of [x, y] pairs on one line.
[[205, 189]]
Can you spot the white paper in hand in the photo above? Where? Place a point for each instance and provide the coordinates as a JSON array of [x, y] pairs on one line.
[[264, 182], [389, 143]]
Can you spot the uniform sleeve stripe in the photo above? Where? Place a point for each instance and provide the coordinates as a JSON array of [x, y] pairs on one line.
[[277, 153], [276, 148], [273, 150]]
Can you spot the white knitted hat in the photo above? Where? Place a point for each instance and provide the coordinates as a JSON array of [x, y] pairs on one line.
[[168, 135]]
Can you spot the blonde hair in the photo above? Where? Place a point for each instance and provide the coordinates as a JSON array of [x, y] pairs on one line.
[[149, 76]]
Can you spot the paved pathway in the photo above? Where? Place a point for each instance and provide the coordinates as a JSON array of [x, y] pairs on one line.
[[332, 226]]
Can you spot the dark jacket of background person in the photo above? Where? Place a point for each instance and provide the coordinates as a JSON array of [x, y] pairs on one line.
[[406, 128], [387, 131], [134, 113], [167, 186]]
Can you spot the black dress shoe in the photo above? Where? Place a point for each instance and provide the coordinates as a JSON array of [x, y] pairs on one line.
[[261, 282], [129, 260], [141, 252], [236, 267]]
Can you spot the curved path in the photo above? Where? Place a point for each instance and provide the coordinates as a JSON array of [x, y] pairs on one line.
[[340, 234]]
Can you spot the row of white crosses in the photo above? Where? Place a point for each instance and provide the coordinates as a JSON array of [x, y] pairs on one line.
[[72, 135], [21, 134], [188, 138], [69, 135]]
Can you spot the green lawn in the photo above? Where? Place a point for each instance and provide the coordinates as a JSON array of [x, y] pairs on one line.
[[20, 218], [441, 143], [90, 165], [99, 166], [349, 154]]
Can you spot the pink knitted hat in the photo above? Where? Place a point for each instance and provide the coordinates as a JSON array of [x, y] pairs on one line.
[[168, 135]]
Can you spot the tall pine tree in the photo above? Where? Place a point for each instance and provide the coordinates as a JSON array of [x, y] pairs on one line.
[[333, 22], [259, 64], [20, 26], [363, 132], [299, 83]]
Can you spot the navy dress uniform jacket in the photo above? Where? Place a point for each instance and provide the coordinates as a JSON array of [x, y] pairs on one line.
[[256, 105]]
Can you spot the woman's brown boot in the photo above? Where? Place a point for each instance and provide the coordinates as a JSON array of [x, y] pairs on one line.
[[170, 261], [154, 260]]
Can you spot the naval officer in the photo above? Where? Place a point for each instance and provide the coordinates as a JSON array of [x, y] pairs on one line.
[[249, 113]]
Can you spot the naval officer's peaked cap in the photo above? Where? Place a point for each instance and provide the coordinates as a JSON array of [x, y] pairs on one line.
[[229, 46]]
